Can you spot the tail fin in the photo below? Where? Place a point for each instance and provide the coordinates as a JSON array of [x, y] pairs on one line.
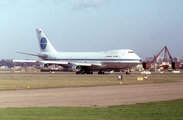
[[45, 44]]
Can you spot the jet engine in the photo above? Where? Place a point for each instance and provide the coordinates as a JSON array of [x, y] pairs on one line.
[[75, 68], [41, 65]]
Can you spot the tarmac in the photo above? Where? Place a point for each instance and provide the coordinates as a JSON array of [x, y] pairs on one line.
[[99, 96]]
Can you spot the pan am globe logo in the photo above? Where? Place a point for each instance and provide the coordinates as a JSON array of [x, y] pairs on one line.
[[43, 43]]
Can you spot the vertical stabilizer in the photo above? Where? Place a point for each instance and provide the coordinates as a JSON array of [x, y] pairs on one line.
[[44, 43]]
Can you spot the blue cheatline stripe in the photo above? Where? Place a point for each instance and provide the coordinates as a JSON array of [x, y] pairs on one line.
[[94, 59]]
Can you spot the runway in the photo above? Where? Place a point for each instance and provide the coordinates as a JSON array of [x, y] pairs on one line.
[[100, 96]]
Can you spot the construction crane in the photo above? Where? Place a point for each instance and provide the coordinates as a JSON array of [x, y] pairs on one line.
[[166, 61], [166, 53]]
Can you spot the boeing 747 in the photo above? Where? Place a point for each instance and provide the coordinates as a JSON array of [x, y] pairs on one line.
[[84, 62]]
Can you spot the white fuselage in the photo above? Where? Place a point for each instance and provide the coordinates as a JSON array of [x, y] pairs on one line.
[[117, 59]]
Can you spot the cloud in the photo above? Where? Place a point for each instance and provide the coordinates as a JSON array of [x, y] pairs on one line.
[[83, 4]]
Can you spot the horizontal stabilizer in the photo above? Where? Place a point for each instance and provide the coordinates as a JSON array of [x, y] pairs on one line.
[[24, 61], [40, 56]]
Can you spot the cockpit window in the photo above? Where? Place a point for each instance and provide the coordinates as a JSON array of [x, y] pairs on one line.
[[130, 52]]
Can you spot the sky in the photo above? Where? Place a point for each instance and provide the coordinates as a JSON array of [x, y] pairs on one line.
[[144, 26]]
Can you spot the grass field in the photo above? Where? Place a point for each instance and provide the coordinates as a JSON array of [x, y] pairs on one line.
[[165, 110], [20, 81]]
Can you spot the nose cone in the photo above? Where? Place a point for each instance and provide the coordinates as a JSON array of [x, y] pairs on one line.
[[138, 58], [135, 57]]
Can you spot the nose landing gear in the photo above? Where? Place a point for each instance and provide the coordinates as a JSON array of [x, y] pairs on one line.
[[128, 72]]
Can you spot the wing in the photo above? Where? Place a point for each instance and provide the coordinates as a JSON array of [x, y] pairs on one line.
[[88, 64], [73, 65], [70, 64], [49, 62], [65, 63]]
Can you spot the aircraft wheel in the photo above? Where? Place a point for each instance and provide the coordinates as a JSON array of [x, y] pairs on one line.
[[101, 72], [78, 72], [89, 72]]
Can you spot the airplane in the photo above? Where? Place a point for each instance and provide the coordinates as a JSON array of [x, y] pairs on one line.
[[83, 62]]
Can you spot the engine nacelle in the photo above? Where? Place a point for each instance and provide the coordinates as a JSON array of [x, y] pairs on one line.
[[75, 68], [41, 65]]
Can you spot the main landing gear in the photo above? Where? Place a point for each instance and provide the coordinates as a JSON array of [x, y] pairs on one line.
[[84, 71], [101, 72], [89, 72], [128, 72]]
